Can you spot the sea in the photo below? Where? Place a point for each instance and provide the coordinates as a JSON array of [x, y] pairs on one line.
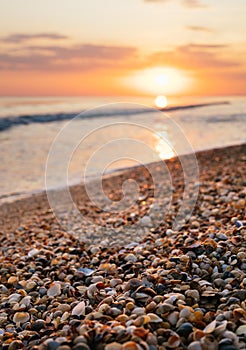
[[50, 142]]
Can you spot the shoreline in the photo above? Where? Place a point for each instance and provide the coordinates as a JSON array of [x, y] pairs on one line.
[[18, 196], [38, 199]]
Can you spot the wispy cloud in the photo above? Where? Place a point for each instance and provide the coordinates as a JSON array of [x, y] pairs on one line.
[[186, 3], [20, 38], [200, 29], [69, 57], [195, 56]]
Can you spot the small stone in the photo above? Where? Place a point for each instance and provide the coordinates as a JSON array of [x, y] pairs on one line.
[[38, 325], [222, 237], [52, 345], [185, 329]]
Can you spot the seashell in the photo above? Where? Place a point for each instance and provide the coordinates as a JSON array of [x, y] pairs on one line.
[[230, 335], [130, 345], [30, 285], [154, 318], [65, 316], [54, 289], [25, 302], [103, 308], [173, 318], [192, 293], [186, 313], [13, 280], [130, 257], [14, 298], [113, 346], [132, 284], [86, 271], [220, 328], [209, 343], [210, 327], [164, 307], [173, 341], [122, 318], [141, 320], [138, 311], [241, 330], [140, 332], [198, 334], [79, 309], [21, 317], [150, 307], [195, 346], [33, 252], [115, 281]]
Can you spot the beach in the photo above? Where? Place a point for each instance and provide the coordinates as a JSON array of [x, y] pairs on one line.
[[165, 288]]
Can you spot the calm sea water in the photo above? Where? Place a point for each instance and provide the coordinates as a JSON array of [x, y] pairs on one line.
[[111, 133]]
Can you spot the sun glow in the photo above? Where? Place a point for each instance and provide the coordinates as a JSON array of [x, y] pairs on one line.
[[160, 81], [161, 101]]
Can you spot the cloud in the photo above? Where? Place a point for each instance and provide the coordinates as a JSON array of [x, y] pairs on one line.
[[71, 57], [186, 3], [193, 3], [200, 29], [20, 38], [195, 56]]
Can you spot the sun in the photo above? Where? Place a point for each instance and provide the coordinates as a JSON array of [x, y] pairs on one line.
[[161, 101], [159, 80]]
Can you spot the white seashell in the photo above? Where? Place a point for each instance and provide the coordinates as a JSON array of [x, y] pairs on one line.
[[210, 327], [21, 317], [33, 252], [79, 309]]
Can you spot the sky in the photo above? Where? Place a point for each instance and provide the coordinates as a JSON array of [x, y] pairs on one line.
[[122, 47]]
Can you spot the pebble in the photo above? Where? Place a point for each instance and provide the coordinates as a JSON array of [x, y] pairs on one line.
[[185, 329]]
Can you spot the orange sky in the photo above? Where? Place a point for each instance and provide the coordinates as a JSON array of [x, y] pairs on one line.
[[122, 47]]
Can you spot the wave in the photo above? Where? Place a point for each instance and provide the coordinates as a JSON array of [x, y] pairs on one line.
[[9, 122]]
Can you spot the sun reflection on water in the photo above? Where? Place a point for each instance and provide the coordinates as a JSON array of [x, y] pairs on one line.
[[163, 147]]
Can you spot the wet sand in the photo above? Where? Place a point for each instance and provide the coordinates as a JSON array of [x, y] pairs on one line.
[[169, 289]]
